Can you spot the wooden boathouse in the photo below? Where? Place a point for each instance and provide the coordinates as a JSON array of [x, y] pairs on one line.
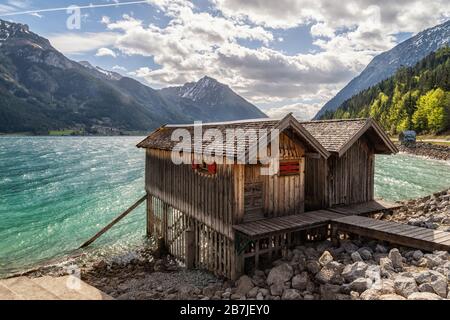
[[220, 216]]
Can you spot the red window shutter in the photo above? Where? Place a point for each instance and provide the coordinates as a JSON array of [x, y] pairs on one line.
[[212, 168], [289, 167]]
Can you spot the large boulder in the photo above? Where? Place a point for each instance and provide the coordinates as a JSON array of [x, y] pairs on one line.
[[280, 274], [424, 296], [244, 285], [331, 273], [300, 281], [360, 285], [313, 266], [353, 271], [291, 294], [396, 258], [439, 284], [405, 286], [329, 291]]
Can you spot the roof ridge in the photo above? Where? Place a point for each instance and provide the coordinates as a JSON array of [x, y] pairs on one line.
[[222, 122], [335, 120]]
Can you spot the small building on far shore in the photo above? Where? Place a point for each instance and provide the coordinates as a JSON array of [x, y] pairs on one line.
[[407, 137]]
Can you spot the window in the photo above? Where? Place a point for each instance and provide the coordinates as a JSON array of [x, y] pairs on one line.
[[289, 168]]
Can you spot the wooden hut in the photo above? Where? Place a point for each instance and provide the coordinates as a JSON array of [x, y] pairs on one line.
[[195, 207], [347, 176]]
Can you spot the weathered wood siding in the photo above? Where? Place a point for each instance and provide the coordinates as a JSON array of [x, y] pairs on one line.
[[273, 196], [341, 181], [316, 195], [211, 199], [351, 177]]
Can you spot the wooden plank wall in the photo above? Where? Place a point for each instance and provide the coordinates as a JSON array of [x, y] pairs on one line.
[[211, 199], [341, 181], [316, 196], [282, 195], [182, 199], [351, 176]]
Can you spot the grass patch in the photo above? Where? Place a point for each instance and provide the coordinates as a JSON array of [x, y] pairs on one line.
[[65, 132]]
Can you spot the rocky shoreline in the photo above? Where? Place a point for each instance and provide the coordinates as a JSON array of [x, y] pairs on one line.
[[359, 269], [439, 152]]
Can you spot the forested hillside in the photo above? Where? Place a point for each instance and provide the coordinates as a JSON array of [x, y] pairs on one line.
[[415, 98]]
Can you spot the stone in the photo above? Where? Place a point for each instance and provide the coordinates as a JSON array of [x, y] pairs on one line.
[[391, 296], [405, 286], [300, 281], [210, 290], [325, 258], [291, 294], [264, 291], [365, 253], [439, 284], [432, 260], [253, 292], [370, 294], [331, 273], [426, 287], [360, 285], [235, 296], [259, 296], [381, 249], [417, 255], [396, 258], [356, 256], [280, 274], [387, 286], [226, 295], [424, 296], [244, 285], [386, 267], [422, 277], [277, 289], [313, 266], [353, 271], [349, 246], [329, 291]]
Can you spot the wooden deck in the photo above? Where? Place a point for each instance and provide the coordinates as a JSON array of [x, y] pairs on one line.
[[366, 208], [309, 220], [398, 233], [349, 219], [292, 223]]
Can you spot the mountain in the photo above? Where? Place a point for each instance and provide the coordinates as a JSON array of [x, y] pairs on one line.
[[211, 100], [413, 98], [407, 53], [42, 90]]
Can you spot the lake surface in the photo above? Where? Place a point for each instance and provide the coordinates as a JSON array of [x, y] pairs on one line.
[[56, 192]]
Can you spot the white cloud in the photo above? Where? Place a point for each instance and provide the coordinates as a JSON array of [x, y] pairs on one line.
[[76, 43], [195, 43], [119, 68], [104, 52]]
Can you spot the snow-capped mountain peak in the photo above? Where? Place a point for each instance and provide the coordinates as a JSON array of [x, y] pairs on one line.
[[407, 54]]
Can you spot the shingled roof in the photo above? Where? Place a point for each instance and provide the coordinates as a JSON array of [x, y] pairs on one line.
[[325, 136]]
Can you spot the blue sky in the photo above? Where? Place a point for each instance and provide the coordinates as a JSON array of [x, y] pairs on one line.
[[284, 56]]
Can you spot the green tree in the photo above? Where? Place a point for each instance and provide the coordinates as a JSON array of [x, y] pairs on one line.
[[432, 112]]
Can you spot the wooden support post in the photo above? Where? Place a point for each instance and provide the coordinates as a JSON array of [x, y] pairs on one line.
[[150, 216], [190, 248], [335, 235]]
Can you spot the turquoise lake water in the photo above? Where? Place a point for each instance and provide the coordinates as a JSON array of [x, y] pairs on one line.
[[56, 192]]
